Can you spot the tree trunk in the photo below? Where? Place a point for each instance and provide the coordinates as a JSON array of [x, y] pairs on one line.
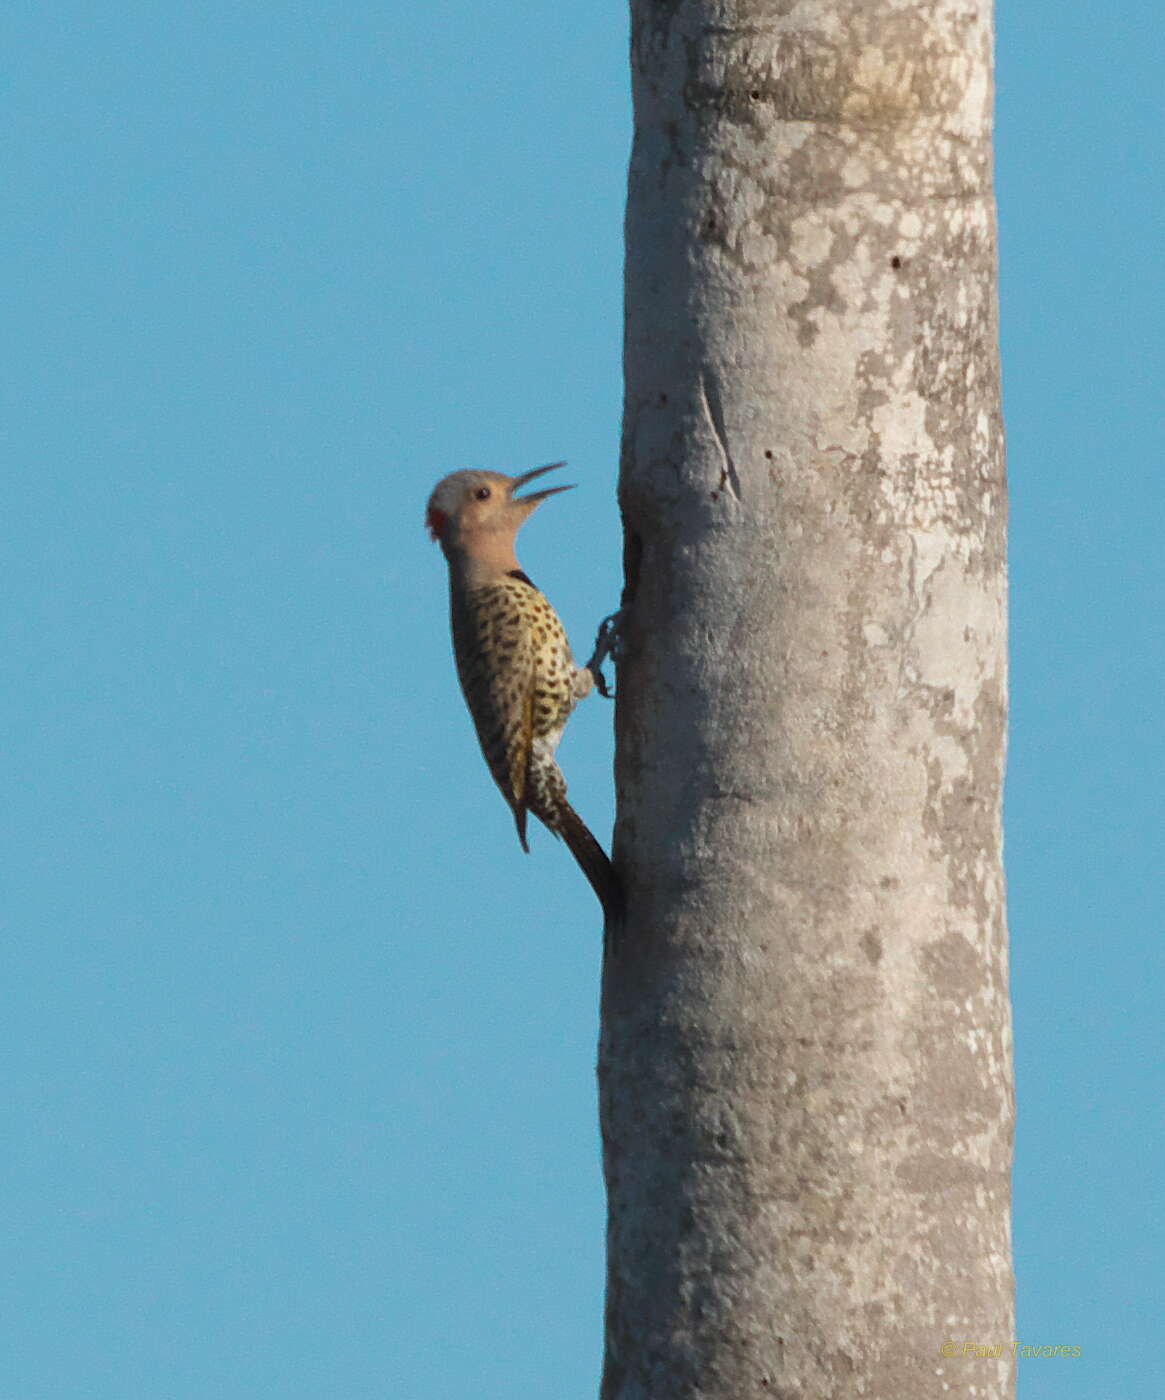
[[805, 1063]]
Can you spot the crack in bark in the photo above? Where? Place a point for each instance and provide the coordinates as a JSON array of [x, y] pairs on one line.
[[714, 410]]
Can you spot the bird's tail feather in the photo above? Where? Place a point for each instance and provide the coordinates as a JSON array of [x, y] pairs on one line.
[[592, 860]]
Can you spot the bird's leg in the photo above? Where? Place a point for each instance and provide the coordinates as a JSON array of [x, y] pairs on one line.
[[607, 643]]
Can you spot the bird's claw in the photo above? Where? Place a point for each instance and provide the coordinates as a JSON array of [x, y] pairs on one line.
[[607, 643]]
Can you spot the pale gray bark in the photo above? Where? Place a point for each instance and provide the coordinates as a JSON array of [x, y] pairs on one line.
[[805, 1063]]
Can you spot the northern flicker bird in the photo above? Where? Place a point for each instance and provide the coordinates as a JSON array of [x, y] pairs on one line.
[[514, 662]]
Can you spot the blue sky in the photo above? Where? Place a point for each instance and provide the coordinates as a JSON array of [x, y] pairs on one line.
[[297, 1044]]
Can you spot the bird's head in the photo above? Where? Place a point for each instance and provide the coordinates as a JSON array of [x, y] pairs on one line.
[[479, 509]]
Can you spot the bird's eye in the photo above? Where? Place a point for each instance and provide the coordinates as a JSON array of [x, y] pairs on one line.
[[482, 493]]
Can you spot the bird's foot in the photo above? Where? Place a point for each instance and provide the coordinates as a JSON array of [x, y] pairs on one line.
[[608, 643]]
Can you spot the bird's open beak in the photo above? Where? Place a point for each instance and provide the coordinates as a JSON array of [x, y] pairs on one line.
[[535, 497]]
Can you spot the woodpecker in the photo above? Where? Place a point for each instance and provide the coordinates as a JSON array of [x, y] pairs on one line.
[[514, 662]]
